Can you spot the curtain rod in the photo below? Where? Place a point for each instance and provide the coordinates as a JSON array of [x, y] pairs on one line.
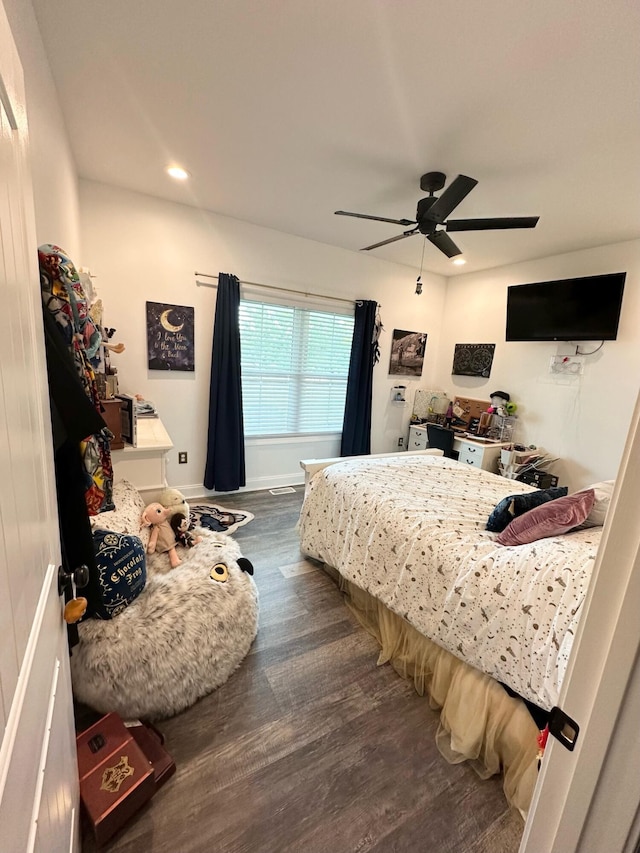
[[273, 287]]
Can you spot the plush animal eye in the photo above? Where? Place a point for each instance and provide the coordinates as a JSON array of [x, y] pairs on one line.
[[219, 573]]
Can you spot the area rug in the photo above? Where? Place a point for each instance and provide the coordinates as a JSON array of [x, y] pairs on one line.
[[217, 518]]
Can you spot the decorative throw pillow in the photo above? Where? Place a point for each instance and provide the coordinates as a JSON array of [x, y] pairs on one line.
[[122, 571], [550, 519], [125, 518], [603, 492], [515, 505]]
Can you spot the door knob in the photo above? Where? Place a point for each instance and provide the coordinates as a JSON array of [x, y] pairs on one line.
[[79, 577], [75, 608]]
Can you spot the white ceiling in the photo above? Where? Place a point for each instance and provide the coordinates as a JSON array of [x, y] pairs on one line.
[[287, 110]]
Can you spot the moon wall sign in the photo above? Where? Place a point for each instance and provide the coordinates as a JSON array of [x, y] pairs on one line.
[[170, 336]]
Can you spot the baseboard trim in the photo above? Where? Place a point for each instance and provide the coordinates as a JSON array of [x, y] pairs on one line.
[[254, 484]]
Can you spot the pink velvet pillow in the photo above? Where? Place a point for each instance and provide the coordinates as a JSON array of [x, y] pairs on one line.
[[550, 519]]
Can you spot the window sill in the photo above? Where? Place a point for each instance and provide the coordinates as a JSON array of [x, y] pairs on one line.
[[305, 438]]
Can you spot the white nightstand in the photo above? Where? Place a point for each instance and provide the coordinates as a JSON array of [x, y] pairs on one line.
[[479, 454], [417, 438]]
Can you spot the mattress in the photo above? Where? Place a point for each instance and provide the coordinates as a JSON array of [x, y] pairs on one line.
[[411, 532]]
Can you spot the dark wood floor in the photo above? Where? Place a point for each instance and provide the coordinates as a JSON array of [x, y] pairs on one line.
[[310, 747]]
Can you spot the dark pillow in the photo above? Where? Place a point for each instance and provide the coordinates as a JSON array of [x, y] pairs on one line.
[[122, 572], [504, 513], [550, 519]]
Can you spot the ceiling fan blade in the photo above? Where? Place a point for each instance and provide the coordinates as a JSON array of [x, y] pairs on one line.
[[458, 189], [489, 224], [442, 241], [392, 240], [404, 222]]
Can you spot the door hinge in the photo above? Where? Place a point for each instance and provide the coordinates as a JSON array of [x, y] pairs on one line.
[[563, 728]]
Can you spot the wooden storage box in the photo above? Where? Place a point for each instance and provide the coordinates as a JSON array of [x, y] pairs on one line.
[[151, 742], [116, 777], [112, 416]]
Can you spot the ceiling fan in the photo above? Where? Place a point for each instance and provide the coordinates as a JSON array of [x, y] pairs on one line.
[[434, 211]]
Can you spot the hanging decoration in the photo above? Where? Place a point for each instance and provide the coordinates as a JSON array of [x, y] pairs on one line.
[[378, 328], [419, 279]]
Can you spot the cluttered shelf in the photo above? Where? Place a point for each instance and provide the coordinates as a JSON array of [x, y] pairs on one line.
[[484, 435], [528, 465], [141, 457]]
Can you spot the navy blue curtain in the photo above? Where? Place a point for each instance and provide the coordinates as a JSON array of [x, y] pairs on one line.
[[356, 428], [225, 470]]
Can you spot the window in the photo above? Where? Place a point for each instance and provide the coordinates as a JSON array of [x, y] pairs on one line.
[[295, 363]]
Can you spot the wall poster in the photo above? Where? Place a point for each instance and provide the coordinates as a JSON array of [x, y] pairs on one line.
[[407, 353], [473, 360], [170, 336]]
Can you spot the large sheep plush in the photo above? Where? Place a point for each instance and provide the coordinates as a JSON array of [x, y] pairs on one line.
[[181, 638]]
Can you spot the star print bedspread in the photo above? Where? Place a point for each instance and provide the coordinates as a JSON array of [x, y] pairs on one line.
[[411, 532]]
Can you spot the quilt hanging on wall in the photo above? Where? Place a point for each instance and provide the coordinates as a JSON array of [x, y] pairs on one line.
[[170, 336], [473, 360]]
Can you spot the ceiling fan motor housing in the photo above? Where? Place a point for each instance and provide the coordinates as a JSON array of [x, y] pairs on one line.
[[431, 182]]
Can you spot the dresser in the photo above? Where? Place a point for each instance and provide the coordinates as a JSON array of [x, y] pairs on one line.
[[479, 454]]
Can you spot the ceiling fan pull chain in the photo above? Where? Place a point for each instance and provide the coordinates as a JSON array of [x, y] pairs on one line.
[[419, 279]]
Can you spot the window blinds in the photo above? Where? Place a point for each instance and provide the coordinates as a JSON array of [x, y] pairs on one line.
[[295, 363]]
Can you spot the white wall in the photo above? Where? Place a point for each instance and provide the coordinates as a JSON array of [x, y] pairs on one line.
[[141, 248], [584, 422], [53, 172]]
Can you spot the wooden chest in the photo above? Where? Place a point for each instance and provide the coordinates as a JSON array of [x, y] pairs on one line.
[[151, 742], [116, 777]]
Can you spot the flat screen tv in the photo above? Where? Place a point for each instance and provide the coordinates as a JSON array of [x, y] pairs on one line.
[[572, 309]]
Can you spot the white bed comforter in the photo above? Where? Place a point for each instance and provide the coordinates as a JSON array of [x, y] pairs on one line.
[[411, 531]]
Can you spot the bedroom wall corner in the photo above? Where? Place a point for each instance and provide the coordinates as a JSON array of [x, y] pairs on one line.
[[580, 420]]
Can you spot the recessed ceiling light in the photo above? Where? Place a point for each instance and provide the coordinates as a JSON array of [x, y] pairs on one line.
[[178, 173], [459, 262]]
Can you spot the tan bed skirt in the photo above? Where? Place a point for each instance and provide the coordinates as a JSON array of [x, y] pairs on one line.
[[479, 721]]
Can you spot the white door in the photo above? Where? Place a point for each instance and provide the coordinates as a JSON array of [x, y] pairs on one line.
[[588, 800], [38, 771]]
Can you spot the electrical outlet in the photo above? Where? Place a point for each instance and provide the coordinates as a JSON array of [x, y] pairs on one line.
[[400, 441], [182, 457]]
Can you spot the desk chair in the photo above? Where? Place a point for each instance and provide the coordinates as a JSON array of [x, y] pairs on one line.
[[442, 438]]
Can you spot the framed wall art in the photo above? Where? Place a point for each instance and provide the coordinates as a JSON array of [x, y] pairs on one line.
[[170, 336], [407, 353], [473, 360]]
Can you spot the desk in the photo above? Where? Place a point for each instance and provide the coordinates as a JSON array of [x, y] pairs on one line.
[[479, 454], [144, 466]]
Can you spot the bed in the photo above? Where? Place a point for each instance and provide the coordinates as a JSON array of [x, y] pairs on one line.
[[451, 608]]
